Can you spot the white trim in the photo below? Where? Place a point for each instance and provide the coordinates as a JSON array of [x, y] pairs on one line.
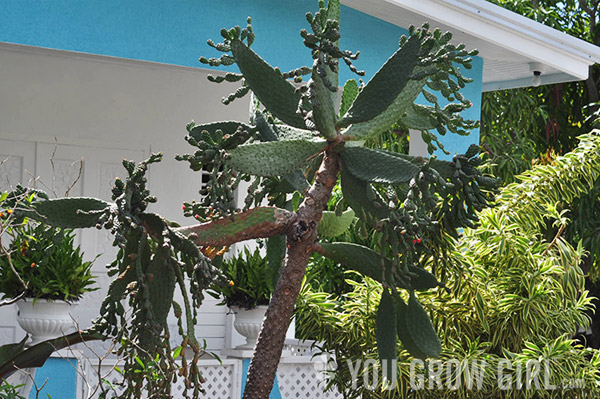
[[502, 27], [108, 59], [515, 35], [526, 82]]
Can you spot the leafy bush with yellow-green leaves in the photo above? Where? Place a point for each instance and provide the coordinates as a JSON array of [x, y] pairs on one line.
[[509, 294]]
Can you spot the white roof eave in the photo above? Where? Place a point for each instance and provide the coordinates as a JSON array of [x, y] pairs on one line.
[[509, 35]]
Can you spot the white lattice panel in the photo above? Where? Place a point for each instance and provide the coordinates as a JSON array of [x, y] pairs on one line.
[[303, 380], [67, 177], [11, 170], [298, 347], [16, 163], [222, 380]]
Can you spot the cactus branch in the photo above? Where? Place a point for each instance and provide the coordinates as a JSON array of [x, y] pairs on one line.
[[261, 222]]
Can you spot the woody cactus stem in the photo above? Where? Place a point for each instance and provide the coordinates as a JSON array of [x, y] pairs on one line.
[[301, 238], [260, 222]]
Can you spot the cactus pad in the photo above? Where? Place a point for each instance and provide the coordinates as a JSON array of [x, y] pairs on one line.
[[357, 257], [387, 84], [362, 198], [274, 158], [258, 222], [415, 329], [348, 95], [332, 225], [378, 166], [74, 213], [386, 332], [323, 111], [272, 89]]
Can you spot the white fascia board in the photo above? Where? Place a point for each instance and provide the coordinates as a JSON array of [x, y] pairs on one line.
[[509, 30], [526, 82]]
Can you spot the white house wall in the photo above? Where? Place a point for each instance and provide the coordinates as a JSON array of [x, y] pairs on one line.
[[103, 109]]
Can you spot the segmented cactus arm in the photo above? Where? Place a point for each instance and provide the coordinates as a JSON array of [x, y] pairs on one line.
[[261, 222]]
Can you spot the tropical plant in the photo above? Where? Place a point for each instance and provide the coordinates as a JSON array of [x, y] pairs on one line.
[[522, 127], [8, 391], [513, 296], [299, 143], [249, 282], [49, 262], [548, 117]]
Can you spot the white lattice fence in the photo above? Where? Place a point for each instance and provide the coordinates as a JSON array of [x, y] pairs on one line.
[[299, 376], [222, 380], [302, 377]]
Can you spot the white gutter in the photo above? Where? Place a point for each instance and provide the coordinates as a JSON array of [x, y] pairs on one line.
[[508, 29], [503, 28]]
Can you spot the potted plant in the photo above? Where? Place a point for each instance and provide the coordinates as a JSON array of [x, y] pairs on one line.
[[246, 290], [43, 266]]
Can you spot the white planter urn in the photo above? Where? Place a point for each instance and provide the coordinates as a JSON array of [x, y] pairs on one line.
[[248, 324], [45, 319]]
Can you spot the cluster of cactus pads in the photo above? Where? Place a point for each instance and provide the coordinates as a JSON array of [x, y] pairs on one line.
[[153, 259], [296, 147]]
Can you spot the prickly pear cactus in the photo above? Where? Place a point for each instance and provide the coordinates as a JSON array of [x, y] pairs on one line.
[[407, 205], [153, 260], [297, 146]]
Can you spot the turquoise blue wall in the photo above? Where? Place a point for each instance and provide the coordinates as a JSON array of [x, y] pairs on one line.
[[175, 32], [275, 392], [59, 377]]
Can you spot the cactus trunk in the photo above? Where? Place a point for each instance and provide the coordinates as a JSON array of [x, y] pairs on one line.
[[301, 238]]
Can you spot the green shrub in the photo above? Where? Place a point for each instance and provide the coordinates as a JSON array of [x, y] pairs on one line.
[[8, 391], [249, 281], [48, 262]]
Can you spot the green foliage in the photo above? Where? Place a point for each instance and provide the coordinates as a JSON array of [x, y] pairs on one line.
[[513, 123], [153, 260], [348, 95], [332, 226], [283, 157], [521, 126], [48, 261], [14, 357], [567, 179], [415, 329], [529, 126], [378, 166], [269, 86], [386, 85], [386, 332], [435, 68], [248, 281], [510, 294], [71, 213], [227, 134], [8, 391], [212, 141], [325, 275], [359, 258]]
